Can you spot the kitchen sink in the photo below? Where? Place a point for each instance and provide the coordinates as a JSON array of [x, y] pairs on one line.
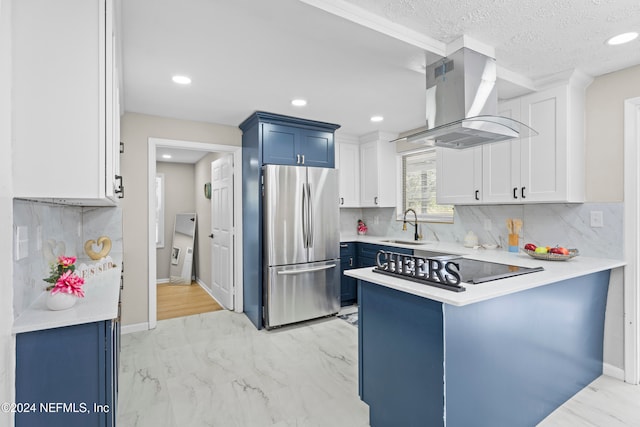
[[406, 242]]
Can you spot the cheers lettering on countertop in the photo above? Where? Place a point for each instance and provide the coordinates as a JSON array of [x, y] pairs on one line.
[[443, 274]]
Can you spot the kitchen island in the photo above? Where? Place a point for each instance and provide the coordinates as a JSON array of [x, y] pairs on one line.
[[506, 352]]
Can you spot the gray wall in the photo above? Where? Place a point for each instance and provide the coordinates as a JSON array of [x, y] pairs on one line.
[[135, 132]]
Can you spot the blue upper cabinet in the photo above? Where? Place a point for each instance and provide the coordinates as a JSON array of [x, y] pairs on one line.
[[298, 142]]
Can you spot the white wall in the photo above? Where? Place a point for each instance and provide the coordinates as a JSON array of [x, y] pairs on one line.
[[7, 341]]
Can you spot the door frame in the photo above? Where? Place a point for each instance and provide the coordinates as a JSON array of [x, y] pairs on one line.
[[631, 240], [154, 144]]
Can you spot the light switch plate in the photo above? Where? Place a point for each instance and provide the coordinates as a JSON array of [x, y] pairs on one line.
[[597, 219]]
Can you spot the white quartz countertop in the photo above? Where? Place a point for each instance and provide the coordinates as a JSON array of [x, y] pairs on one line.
[[554, 271], [99, 303]]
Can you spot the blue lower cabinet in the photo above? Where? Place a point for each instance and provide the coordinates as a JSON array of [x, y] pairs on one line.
[[367, 253], [68, 376], [348, 285]]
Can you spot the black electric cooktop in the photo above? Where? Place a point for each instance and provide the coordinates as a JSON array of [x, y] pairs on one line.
[[473, 271]]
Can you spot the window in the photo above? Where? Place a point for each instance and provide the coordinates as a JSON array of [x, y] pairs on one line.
[[419, 187], [160, 210]]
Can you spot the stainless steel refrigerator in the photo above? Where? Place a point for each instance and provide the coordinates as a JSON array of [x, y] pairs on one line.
[[301, 244]]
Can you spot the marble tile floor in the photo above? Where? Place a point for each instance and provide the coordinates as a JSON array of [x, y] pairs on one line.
[[216, 369]]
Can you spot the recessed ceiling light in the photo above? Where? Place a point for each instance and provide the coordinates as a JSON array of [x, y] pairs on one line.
[[181, 80], [377, 119], [299, 102], [166, 156], [622, 38]]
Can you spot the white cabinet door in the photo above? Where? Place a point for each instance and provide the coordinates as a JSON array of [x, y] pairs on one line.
[[378, 173], [368, 174], [63, 129], [458, 176], [501, 163], [348, 165], [544, 163]]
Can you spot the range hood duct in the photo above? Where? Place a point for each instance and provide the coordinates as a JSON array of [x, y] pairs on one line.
[[462, 104]]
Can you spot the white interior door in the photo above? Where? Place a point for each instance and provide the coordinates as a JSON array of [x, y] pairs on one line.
[[222, 236]]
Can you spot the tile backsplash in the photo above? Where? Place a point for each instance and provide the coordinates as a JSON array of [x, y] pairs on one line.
[[47, 230], [563, 224]]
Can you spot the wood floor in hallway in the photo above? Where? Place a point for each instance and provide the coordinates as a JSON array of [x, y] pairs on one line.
[[183, 300]]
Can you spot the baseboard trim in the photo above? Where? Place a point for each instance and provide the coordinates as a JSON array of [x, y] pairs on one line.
[[207, 290], [136, 327], [161, 281], [612, 371]]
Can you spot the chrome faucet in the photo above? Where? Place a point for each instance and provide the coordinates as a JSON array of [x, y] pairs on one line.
[[415, 224]]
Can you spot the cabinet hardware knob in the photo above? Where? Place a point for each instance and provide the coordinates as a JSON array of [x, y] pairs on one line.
[[211, 235], [119, 190], [522, 192], [342, 200], [375, 200], [477, 196], [515, 195], [350, 261], [121, 147], [303, 159], [344, 245], [298, 159]]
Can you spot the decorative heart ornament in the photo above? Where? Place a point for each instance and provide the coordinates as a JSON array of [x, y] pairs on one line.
[[103, 242], [52, 249]]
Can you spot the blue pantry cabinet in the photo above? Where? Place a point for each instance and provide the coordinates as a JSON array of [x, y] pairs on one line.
[[269, 138], [68, 376]]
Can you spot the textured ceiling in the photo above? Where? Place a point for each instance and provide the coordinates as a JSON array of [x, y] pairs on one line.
[[535, 38]]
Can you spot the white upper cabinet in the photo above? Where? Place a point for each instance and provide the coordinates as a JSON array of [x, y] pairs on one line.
[[66, 103], [377, 170], [501, 163], [546, 168], [458, 176], [348, 165], [552, 163]]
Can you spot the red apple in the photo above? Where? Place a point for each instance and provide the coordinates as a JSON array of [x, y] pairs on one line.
[[559, 250], [530, 247]]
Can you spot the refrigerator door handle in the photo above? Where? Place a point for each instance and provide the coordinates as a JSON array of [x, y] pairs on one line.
[[310, 217], [305, 238], [306, 270]]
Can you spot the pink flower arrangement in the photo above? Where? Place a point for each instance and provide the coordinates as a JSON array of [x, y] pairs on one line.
[[63, 278], [362, 227]]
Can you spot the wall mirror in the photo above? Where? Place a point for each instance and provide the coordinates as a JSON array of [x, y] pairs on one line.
[[184, 232]]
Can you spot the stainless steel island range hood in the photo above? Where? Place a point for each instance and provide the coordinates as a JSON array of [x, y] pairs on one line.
[[462, 104]]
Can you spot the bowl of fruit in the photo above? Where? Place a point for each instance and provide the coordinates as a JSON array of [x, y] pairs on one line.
[[556, 253]]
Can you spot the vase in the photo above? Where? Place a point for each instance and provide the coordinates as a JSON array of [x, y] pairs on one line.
[[60, 301], [362, 233]]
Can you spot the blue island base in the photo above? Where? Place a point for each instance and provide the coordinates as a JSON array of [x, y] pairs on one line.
[[508, 361]]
